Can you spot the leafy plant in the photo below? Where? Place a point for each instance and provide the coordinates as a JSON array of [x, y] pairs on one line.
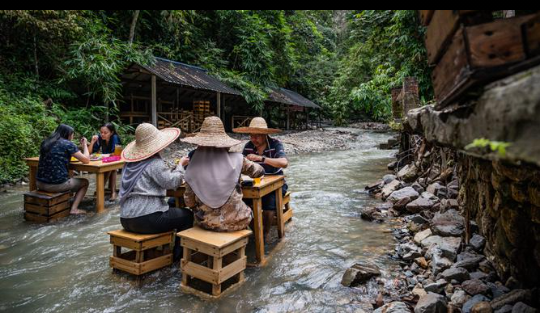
[[495, 146]]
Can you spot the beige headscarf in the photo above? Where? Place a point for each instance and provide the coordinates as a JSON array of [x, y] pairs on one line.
[[213, 173]]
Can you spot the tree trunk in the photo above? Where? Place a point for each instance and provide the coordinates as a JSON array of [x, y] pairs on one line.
[[133, 25]]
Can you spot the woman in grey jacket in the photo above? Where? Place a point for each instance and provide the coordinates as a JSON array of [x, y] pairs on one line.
[[145, 180]]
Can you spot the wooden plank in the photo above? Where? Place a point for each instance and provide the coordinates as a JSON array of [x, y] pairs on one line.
[[46, 198], [444, 24], [198, 271], [425, 16], [212, 238], [477, 55], [279, 213], [259, 238], [196, 246], [47, 211], [232, 269], [32, 217], [496, 43], [531, 36], [156, 263]]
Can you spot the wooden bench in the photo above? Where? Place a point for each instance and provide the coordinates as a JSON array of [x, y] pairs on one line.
[[43, 207], [213, 262], [288, 211], [147, 252]]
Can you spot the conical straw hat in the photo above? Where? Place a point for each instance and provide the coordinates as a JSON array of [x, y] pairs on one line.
[[212, 134], [256, 126], [149, 141]]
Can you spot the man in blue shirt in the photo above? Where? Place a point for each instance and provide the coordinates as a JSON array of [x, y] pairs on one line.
[[270, 154]]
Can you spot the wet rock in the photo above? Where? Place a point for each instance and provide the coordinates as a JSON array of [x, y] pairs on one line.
[[497, 289], [455, 273], [408, 173], [512, 297], [431, 303], [403, 196], [436, 287], [475, 287], [409, 251], [459, 297], [469, 263], [421, 235], [418, 291], [375, 187], [421, 261], [521, 307], [419, 205], [437, 189], [481, 307], [449, 246], [449, 204], [438, 262], [393, 307], [449, 223], [390, 187], [477, 242], [505, 309], [359, 273], [474, 300], [388, 178], [371, 214], [418, 187]]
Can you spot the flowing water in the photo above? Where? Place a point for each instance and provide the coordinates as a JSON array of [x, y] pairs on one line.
[[63, 267]]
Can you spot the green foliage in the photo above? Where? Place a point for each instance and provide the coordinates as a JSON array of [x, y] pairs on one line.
[[494, 146], [380, 48], [23, 124], [346, 61]]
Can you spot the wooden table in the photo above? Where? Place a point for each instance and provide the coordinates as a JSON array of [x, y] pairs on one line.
[[270, 183], [97, 167]]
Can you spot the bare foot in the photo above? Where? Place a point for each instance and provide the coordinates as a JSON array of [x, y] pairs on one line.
[[77, 212], [113, 197]]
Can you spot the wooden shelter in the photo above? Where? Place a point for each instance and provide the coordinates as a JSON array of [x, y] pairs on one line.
[[294, 108], [173, 94]]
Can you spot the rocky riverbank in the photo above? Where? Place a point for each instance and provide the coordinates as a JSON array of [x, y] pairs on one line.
[[296, 142], [441, 253]]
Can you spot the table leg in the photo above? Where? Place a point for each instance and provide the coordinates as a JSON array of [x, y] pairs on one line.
[[32, 179], [100, 192], [279, 213], [259, 237]]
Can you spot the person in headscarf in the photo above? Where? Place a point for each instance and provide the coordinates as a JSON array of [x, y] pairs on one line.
[[270, 154], [145, 180], [213, 188]]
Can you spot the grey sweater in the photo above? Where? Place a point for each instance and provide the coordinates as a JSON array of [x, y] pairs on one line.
[[148, 195]]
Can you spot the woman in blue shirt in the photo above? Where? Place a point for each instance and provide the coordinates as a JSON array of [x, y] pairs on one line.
[[106, 143], [54, 157]]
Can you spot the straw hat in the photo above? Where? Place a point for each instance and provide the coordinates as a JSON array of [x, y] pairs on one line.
[[212, 134], [149, 141], [257, 126]]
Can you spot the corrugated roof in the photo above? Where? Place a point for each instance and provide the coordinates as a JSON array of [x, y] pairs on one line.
[[187, 75], [287, 96]]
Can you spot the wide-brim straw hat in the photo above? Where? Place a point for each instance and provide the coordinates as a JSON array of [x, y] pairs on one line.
[[257, 126], [149, 141], [212, 134]]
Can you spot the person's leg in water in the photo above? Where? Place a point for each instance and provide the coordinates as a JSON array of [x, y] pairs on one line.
[[112, 185], [269, 206], [80, 187]]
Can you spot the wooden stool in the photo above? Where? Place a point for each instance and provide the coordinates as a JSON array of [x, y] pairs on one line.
[[42, 207], [287, 212], [212, 259], [144, 255]]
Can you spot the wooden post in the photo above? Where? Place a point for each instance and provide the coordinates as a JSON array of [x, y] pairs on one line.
[[288, 116], [154, 102], [218, 105]]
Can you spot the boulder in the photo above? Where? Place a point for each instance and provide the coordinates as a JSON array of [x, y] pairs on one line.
[[431, 303], [359, 273]]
